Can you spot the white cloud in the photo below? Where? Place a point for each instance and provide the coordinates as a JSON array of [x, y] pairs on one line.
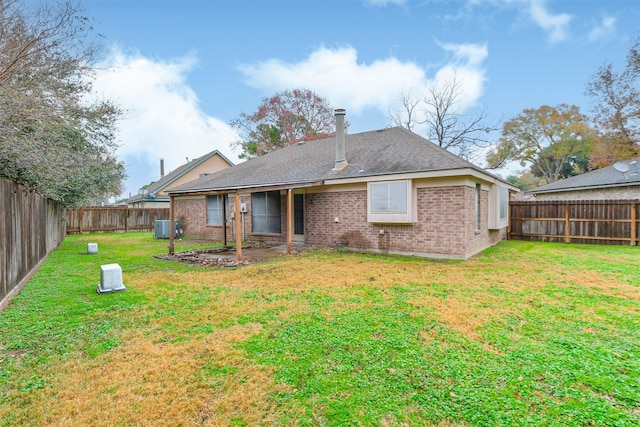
[[162, 119], [603, 29], [557, 26], [337, 75], [468, 55], [466, 67]]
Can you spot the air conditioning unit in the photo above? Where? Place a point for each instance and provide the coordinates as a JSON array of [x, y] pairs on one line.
[[161, 229]]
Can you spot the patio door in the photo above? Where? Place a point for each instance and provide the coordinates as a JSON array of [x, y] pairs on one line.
[[298, 217]]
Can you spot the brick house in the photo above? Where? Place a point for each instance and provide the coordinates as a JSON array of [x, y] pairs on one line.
[[601, 184], [387, 190], [156, 194]]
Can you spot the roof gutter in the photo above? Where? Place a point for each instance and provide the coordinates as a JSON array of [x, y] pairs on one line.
[[260, 187]]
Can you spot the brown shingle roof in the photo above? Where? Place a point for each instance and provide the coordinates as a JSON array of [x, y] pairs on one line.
[[382, 152], [163, 182], [599, 178]]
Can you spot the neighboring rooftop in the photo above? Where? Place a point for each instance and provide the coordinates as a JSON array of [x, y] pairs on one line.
[[165, 181], [381, 152], [599, 178]]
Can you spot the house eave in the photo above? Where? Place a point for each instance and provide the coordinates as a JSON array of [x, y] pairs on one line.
[[446, 173], [246, 188], [148, 200]]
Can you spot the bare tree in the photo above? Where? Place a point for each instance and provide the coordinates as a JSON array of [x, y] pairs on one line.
[[616, 111], [437, 110], [53, 138]]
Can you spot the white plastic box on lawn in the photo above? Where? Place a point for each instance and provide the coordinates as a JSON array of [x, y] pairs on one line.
[[110, 279]]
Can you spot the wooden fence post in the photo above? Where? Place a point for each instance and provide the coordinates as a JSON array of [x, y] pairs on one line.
[[634, 224], [126, 219], [567, 226]]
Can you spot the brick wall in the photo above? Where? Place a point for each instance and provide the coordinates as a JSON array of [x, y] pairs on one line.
[[192, 214], [445, 225], [479, 239]]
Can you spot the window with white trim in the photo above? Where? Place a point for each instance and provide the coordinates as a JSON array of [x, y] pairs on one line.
[[265, 212], [214, 208], [389, 201], [498, 207], [504, 203]]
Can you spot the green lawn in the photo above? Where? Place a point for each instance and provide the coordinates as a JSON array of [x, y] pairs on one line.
[[525, 334]]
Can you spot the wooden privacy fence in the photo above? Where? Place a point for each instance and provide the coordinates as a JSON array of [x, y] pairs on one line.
[[113, 219], [610, 222], [31, 226]]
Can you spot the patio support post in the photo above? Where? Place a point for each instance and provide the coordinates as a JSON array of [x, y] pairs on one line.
[[289, 220], [171, 226], [238, 229], [224, 220]]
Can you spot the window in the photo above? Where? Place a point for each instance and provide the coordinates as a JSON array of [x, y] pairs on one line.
[[214, 208], [504, 203], [477, 204], [498, 212], [389, 201], [265, 212]]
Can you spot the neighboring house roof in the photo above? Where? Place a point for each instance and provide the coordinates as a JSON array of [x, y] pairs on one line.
[[599, 178], [521, 196], [165, 182], [375, 153]]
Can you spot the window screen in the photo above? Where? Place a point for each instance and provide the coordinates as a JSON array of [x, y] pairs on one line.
[[504, 203], [265, 212], [214, 209], [388, 197]]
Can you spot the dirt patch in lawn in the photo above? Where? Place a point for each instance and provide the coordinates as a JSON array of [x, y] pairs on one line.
[[227, 256]]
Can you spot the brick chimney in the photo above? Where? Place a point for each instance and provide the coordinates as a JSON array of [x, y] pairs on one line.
[[341, 161]]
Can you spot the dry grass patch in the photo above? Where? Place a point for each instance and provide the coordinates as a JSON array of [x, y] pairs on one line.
[[203, 382], [521, 335]]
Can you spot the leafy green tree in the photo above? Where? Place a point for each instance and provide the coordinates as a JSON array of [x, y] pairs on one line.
[[284, 119], [549, 139], [52, 136], [574, 165], [617, 110], [525, 181]]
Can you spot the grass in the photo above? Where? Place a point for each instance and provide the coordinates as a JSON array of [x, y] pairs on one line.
[[525, 334]]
